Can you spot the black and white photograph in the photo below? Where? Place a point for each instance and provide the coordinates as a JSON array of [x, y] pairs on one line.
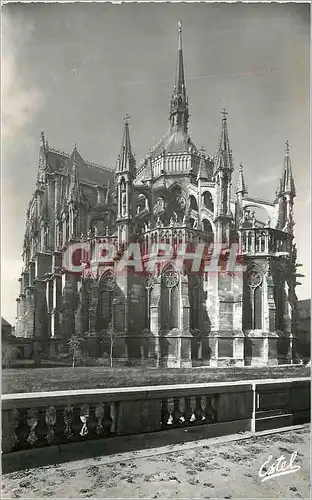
[[155, 250]]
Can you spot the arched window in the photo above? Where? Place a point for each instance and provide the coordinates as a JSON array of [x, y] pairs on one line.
[[279, 297], [225, 194], [253, 298], [193, 203], [142, 203], [170, 300], [106, 297], [208, 201], [149, 283], [123, 197], [207, 226], [99, 226], [194, 298]]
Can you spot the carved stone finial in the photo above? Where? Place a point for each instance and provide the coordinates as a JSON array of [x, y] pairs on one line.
[[224, 114]]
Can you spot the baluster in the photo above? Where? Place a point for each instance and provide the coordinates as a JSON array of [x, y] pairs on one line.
[[22, 430], [84, 416], [68, 417], [76, 423], [210, 410], [50, 419], [181, 408], [203, 405], [187, 410], [15, 416], [32, 421], [59, 424], [41, 428], [170, 409], [193, 407], [99, 414], [107, 419], [92, 421], [164, 412], [113, 414]]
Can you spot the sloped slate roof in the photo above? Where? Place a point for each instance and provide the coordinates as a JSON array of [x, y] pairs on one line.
[[4, 322], [87, 172]]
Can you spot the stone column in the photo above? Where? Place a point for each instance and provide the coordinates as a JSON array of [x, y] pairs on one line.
[[154, 316], [68, 305], [41, 311], [185, 341], [94, 296], [29, 314], [56, 305]]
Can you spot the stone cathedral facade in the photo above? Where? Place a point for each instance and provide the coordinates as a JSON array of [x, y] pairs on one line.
[[177, 194]]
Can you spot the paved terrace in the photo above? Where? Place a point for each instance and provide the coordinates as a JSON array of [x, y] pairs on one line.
[[224, 467]]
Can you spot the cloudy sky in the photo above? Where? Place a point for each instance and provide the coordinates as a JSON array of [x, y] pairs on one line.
[[74, 71]]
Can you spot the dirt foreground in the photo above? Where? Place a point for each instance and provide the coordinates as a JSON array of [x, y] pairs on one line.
[[227, 469]]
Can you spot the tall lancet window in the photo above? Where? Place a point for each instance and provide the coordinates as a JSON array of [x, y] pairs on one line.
[[149, 283], [253, 298], [107, 288], [123, 198], [279, 296], [225, 193], [170, 299], [194, 297]]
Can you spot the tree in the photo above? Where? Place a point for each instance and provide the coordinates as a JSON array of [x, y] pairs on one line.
[[9, 354], [112, 335], [75, 344]]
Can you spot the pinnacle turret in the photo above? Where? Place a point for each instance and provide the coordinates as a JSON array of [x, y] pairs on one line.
[[42, 167], [286, 182], [224, 154], [241, 187], [202, 173], [74, 191], [126, 160], [179, 114]]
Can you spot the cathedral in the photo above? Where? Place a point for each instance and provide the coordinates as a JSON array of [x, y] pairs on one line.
[[178, 194]]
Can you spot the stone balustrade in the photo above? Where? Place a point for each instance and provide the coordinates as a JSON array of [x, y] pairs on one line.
[[264, 241], [52, 421]]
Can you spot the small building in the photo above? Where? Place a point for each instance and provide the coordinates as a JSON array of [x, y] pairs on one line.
[[304, 334], [6, 329]]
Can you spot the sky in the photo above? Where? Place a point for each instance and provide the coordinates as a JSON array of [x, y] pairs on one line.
[[75, 70]]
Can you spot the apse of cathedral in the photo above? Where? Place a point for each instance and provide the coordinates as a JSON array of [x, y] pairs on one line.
[[177, 194]]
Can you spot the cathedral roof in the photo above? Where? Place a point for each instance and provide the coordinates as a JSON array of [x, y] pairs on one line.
[[88, 172], [203, 173], [177, 139]]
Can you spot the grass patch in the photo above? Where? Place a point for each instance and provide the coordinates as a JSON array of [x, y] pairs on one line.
[[65, 378]]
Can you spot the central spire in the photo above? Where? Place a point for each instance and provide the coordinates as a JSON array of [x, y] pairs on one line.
[[224, 154], [179, 114]]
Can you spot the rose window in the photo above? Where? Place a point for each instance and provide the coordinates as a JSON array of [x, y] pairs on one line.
[[170, 278], [254, 279]]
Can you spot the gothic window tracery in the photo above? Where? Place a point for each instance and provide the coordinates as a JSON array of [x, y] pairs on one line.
[[208, 201], [193, 203], [106, 297], [253, 298], [159, 206], [170, 300], [207, 226], [194, 298], [123, 197], [279, 296]]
